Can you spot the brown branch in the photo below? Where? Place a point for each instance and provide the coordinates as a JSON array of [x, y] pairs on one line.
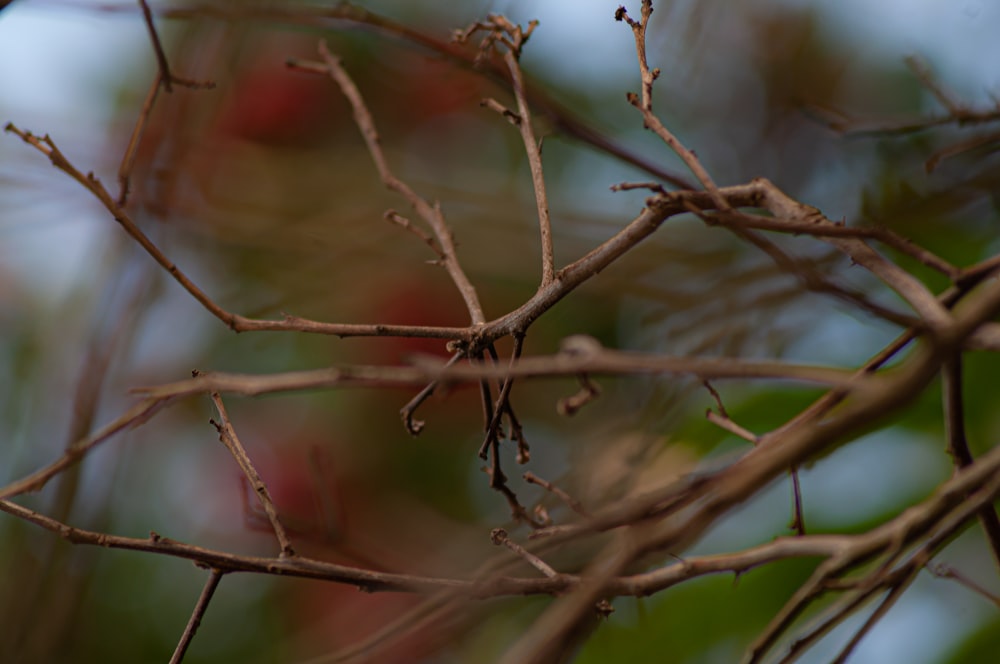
[[293, 566], [492, 415], [238, 323], [406, 224], [957, 497], [645, 104], [938, 519], [228, 437], [754, 194], [897, 584], [132, 149], [943, 526], [762, 464], [194, 622], [958, 444], [570, 501], [165, 77], [134, 416], [722, 419], [571, 405], [563, 119], [431, 214], [724, 422], [944, 97], [600, 361], [961, 147], [957, 113], [499, 537], [798, 519], [414, 426], [906, 285], [501, 406], [948, 572], [502, 31], [567, 279], [819, 226]]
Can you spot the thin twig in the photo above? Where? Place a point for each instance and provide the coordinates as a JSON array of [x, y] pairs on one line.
[[957, 496], [138, 414], [722, 419], [430, 213], [958, 444], [194, 622], [571, 405], [502, 31], [798, 519], [228, 437], [499, 537], [948, 572], [570, 501], [165, 77], [644, 104], [974, 143], [562, 118], [605, 362], [414, 426], [406, 224], [132, 149], [726, 424], [906, 285], [945, 98]]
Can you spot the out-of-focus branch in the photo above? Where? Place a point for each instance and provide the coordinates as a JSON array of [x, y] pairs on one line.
[[958, 444], [769, 197], [568, 363], [134, 416], [957, 112]]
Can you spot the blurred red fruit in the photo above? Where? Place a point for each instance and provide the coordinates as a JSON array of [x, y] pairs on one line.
[[270, 104]]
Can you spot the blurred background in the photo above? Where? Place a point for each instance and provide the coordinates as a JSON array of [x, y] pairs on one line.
[[262, 191]]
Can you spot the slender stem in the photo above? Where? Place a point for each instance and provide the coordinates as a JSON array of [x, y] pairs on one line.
[[194, 622]]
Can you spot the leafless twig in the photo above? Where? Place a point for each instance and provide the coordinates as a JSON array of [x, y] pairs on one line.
[[196, 615], [228, 437], [501, 31]]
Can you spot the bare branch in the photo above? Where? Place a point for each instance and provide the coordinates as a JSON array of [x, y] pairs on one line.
[[500, 538], [512, 37], [228, 437], [196, 615], [431, 213], [645, 105], [958, 445]]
